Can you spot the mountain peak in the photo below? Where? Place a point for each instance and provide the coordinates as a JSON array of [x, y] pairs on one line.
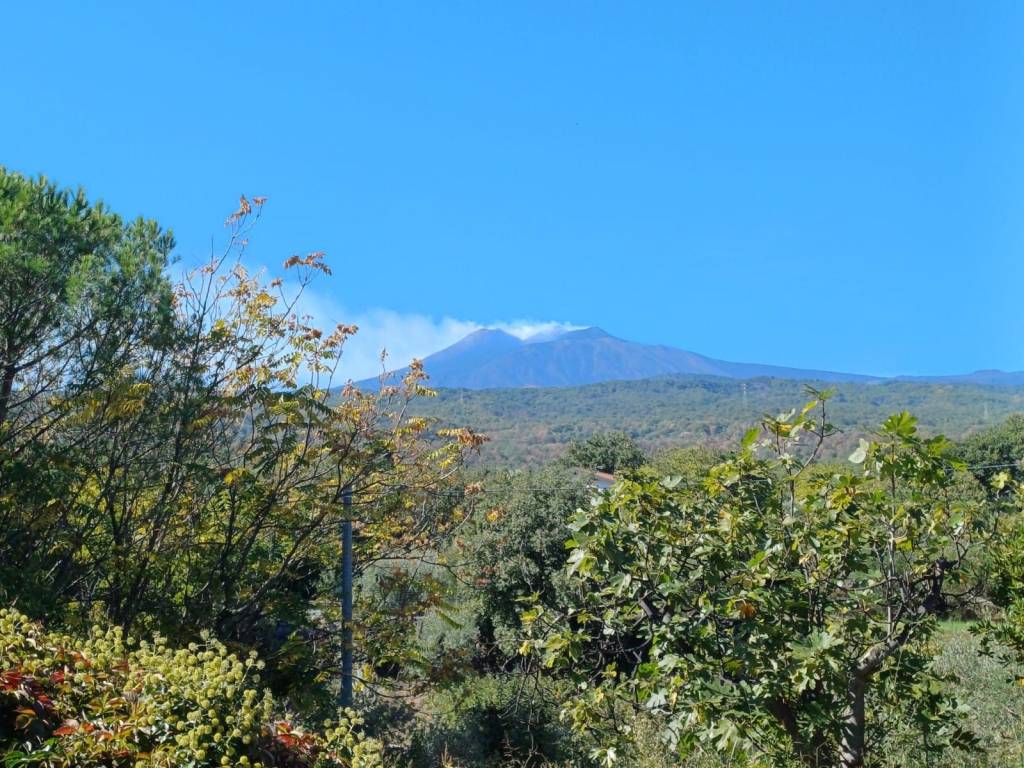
[[475, 348], [485, 335], [593, 332], [490, 358]]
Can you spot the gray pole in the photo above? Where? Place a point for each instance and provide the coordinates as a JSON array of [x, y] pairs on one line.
[[346, 599]]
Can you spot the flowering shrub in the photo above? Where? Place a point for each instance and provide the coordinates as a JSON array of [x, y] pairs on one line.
[[112, 701]]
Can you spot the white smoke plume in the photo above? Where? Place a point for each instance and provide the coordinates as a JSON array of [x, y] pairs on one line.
[[405, 336]]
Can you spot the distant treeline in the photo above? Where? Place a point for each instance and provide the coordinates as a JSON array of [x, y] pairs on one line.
[[533, 426]]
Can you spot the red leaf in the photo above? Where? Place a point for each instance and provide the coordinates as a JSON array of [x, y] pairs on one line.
[[287, 739]]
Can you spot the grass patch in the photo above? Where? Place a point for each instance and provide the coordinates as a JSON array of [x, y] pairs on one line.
[[996, 702]]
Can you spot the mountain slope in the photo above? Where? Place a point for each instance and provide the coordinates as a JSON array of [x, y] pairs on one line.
[[990, 378], [495, 360], [533, 426]]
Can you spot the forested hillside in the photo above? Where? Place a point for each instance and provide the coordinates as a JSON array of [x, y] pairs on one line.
[[532, 426]]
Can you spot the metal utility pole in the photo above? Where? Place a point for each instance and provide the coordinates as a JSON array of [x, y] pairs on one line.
[[346, 598]]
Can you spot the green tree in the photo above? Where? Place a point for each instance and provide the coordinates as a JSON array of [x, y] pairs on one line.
[[764, 613], [996, 451], [183, 464], [690, 463], [605, 452], [518, 546], [485, 709], [1005, 635], [80, 292], [80, 286]]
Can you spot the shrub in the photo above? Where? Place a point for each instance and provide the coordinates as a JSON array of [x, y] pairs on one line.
[[491, 721], [111, 700]]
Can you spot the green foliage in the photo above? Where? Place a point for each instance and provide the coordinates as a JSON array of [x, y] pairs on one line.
[[1005, 637], [994, 707], [178, 464], [491, 721], [689, 463], [605, 452], [993, 711], [111, 701], [534, 426], [78, 286], [173, 460], [766, 615], [996, 451], [517, 547], [479, 707]]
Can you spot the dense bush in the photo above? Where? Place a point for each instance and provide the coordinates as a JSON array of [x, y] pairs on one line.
[[109, 700], [690, 463], [490, 721]]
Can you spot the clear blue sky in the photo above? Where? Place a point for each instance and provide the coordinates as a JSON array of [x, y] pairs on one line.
[[814, 184]]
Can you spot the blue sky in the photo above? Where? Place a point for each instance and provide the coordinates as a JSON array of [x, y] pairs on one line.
[[813, 184]]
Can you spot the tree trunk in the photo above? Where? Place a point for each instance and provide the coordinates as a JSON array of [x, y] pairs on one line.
[[851, 748], [807, 752], [6, 389]]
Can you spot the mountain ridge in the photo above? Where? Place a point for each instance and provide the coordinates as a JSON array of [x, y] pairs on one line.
[[490, 358]]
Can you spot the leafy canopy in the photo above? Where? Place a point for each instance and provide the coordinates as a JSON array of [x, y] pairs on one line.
[[605, 452], [765, 612], [175, 457]]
